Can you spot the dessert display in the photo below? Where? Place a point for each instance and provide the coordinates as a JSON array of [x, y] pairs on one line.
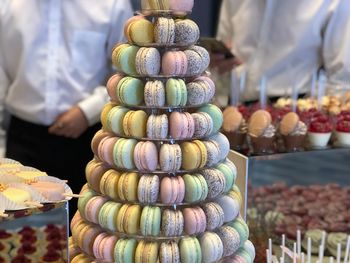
[[34, 244], [293, 132], [160, 187], [261, 132]]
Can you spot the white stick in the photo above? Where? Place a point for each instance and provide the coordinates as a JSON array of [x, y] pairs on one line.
[[283, 244], [270, 247], [268, 256], [320, 254], [263, 92], [294, 253], [242, 80], [313, 84], [308, 250], [338, 253], [234, 96], [323, 240], [347, 250], [298, 243], [331, 260], [281, 260], [302, 258]]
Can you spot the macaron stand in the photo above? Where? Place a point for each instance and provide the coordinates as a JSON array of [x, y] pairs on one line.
[[142, 202]]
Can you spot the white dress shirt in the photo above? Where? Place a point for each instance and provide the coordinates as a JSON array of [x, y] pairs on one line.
[[285, 41], [55, 54]]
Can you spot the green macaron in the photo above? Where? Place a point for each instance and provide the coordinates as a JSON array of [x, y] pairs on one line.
[[124, 250], [115, 119], [176, 92], [196, 188], [128, 59], [150, 221], [216, 115], [130, 91], [123, 153], [190, 250]]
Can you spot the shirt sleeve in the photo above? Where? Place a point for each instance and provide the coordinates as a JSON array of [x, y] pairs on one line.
[[336, 48], [225, 29], [93, 105]]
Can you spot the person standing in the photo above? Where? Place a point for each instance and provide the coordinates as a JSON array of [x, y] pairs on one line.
[[54, 63]]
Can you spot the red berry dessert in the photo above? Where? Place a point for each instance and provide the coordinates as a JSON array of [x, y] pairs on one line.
[[320, 130], [343, 129]]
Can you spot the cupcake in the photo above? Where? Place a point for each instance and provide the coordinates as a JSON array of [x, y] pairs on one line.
[[316, 236], [320, 131], [262, 132], [342, 133], [234, 127], [333, 240], [293, 132]]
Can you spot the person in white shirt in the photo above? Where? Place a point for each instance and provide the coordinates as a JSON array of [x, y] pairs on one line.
[[54, 63], [285, 42]]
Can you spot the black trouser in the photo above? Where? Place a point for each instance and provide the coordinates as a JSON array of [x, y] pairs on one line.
[[65, 158]]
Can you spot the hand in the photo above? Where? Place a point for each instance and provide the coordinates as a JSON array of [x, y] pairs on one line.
[[70, 124], [223, 64]]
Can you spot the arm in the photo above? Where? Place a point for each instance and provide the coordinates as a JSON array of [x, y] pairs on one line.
[[336, 48], [87, 113]]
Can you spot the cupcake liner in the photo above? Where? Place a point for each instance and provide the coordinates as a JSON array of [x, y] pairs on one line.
[[8, 161], [5, 179], [36, 196], [10, 205]]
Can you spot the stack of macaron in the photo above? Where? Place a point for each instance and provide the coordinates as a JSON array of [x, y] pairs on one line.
[[172, 92], [160, 187], [163, 31], [150, 61]]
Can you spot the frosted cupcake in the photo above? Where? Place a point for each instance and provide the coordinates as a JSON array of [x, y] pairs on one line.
[[293, 132], [234, 127], [262, 132]]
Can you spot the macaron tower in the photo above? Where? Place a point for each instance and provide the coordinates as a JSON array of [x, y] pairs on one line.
[[160, 188]]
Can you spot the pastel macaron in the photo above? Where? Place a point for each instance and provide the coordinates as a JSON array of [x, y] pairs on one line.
[[176, 92], [129, 91], [203, 124], [215, 215], [116, 54], [123, 153], [150, 221], [127, 186], [104, 247], [230, 240], [109, 183], [107, 215], [99, 135], [195, 220], [196, 188], [93, 207], [170, 157], [197, 60], [135, 123], [154, 93], [127, 60], [148, 61], [86, 238], [201, 90], [94, 171], [105, 149], [213, 152], [139, 30], [169, 252], [112, 86], [128, 219], [115, 120], [146, 156], [242, 228], [82, 201], [172, 190], [230, 206], [157, 126], [215, 114], [194, 155], [186, 31], [148, 189], [164, 30], [181, 125], [146, 252], [104, 113], [174, 63], [230, 172], [190, 250], [212, 247], [216, 182], [223, 143], [172, 223], [124, 250]]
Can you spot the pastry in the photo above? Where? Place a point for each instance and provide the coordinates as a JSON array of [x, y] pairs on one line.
[[293, 132], [234, 127], [320, 131], [212, 247]]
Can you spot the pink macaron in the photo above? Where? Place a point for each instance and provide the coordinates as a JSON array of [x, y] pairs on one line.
[[172, 190], [105, 149], [146, 156], [195, 220], [106, 248], [174, 63], [181, 125], [93, 207], [112, 86]]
